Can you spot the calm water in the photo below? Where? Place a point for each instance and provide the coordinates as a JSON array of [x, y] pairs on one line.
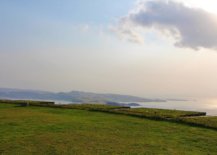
[[208, 106]]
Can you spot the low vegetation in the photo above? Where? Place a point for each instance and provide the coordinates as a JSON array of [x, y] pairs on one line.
[[92, 107], [184, 117], [208, 121], [28, 102], [45, 130], [159, 113]]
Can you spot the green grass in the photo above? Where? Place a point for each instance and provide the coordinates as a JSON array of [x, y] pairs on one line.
[[92, 107], [209, 121], [43, 130], [160, 113]]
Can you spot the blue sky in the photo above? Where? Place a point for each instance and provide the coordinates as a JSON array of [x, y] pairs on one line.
[[97, 11], [104, 46], [35, 20]]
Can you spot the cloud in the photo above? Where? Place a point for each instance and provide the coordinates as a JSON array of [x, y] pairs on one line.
[[190, 27], [128, 33]]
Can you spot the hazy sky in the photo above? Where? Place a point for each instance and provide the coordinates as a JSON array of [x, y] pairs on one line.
[[151, 48]]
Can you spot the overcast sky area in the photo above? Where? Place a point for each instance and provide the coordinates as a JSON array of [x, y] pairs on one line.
[[148, 48]]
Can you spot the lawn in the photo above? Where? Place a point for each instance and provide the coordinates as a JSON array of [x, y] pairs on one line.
[[44, 130]]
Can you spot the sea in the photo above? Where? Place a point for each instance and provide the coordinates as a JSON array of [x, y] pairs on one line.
[[204, 105]]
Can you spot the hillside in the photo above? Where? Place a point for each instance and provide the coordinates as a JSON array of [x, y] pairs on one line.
[[73, 96]]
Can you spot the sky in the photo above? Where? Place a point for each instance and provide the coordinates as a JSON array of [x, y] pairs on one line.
[[148, 48]]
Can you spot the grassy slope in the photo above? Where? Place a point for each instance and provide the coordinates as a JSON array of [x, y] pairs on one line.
[[38, 130], [210, 121]]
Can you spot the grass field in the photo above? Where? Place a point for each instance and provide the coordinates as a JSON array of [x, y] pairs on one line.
[[210, 122], [43, 130], [159, 113]]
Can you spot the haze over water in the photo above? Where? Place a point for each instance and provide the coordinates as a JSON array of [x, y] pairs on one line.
[[204, 105]]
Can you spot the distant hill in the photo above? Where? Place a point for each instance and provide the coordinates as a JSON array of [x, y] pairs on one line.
[[73, 96]]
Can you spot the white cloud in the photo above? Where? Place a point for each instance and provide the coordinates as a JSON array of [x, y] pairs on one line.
[[190, 27], [128, 33]]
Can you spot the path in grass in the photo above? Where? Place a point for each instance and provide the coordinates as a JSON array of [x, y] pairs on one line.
[[38, 130]]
